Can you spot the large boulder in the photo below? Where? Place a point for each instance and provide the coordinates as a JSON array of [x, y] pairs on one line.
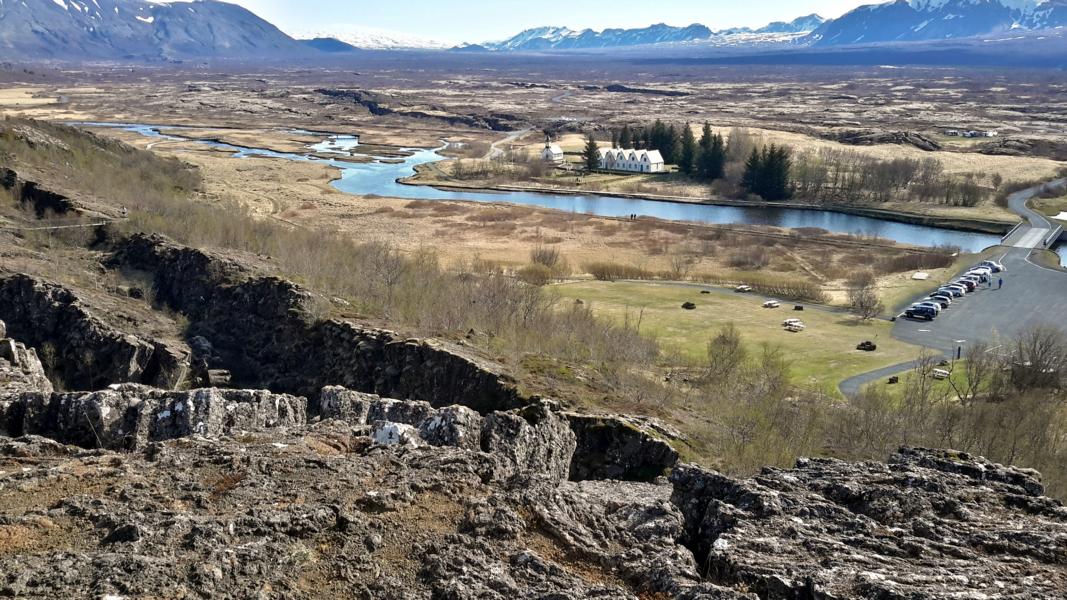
[[456, 426], [618, 447], [20, 368], [530, 446], [929, 524]]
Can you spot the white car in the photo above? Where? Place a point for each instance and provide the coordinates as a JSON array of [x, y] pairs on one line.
[[994, 265], [788, 322], [743, 289], [772, 304], [940, 374]]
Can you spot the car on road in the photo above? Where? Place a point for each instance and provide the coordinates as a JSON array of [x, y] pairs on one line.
[[921, 312], [938, 300], [743, 289], [994, 265], [772, 304]]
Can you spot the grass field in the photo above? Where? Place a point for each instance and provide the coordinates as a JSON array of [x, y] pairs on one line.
[[1050, 207], [823, 355]]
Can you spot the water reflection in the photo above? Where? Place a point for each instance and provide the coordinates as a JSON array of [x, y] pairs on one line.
[[380, 178]]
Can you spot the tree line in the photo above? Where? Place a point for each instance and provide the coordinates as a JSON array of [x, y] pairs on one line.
[[748, 166], [703, 159]]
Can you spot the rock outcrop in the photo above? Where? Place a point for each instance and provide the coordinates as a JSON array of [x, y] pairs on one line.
[[20, 368], [871, 138], [278, 345], [616, 447], [31, 195], [929, 524], [226, 493], [129, 417], [83, 352]]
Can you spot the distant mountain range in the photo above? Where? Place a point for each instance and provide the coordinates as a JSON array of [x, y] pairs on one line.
[[136, 29], [563, 38], [209, 29], [924, 20], [895, 21], [364, 38]]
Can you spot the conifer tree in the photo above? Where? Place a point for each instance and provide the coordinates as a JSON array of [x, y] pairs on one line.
[[626, 137], [688, 153], [591, 154], [753, 172]]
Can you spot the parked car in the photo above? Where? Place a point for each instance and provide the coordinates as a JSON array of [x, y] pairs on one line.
[[940, 374], [957, 285], [992, 264], [967, 283], [921, 312], [933, 305], [982, 276], [938, 300], [955, 292], [944, 297]]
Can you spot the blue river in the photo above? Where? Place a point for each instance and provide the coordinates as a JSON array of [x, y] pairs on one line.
[[380, 178]]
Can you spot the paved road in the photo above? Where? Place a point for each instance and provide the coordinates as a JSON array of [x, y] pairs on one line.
[[1032, 295], [494, 148]]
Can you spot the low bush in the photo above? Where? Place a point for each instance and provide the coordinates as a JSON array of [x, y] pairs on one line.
[[608, 271]]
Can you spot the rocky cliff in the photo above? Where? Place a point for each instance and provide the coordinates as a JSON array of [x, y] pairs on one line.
[[134, 491], [83, 351], [364, 464]]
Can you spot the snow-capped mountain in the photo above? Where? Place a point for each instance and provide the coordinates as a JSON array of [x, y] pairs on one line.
[[918, 20], [564, 38], [367, 38], [137, 29]]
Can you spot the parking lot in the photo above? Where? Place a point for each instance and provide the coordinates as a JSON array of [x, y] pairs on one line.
[[1032, 295]]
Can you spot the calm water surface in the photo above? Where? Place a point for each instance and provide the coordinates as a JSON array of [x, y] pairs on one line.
[[381, 178]]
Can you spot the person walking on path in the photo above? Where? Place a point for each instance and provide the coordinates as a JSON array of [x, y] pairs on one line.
[[1001, 284]]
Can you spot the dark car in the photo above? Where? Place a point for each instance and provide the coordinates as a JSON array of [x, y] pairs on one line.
[[921, 312], [967, 283]]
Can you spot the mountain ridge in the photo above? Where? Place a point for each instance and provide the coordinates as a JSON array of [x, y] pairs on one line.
[[137, 29]]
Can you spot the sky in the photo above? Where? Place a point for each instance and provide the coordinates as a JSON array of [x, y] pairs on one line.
[[456, 21]]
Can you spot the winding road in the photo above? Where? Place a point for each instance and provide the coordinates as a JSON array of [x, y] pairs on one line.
[[1032, 295]]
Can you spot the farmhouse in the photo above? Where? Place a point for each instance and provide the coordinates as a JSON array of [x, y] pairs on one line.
[[552, 153], [632, 161]]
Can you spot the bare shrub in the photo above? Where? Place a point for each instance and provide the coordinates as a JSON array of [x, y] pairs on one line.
[[863, 298], [752, 258], [536, 274], [607, 271], [543, 255]]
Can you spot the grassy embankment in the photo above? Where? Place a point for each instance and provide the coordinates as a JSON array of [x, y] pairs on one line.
[[822, 356]]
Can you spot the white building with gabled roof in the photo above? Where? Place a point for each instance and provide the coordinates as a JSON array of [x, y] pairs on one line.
[[552, 153], [632, 161]]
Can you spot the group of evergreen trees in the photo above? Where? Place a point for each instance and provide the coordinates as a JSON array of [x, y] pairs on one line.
[[767, 173], [705, 160]]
